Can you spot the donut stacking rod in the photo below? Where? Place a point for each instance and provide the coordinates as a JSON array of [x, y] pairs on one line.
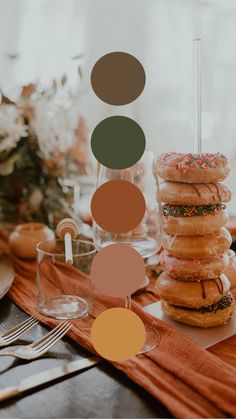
[[67, 230], [197, 95]]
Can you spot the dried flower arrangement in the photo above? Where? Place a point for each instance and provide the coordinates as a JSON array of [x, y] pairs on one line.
[[41, 139]]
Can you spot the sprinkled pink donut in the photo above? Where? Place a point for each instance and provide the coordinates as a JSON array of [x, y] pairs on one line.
[[192, 168]]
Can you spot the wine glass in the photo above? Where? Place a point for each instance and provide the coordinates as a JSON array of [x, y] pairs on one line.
[[146, 238]]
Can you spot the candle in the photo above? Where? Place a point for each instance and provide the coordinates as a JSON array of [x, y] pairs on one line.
[[23, 240]]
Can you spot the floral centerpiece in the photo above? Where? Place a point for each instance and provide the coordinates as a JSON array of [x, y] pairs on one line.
[[42, 140]]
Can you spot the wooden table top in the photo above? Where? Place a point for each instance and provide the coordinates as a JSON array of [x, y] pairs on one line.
[[101, 391]]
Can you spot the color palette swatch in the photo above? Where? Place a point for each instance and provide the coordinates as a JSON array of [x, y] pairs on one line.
[[118, 206], [118, 142], [118, 334], [118, 270], [118, 78]]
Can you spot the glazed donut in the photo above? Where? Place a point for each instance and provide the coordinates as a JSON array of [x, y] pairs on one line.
[[192, 168], [197, 317], [230, 271], [194, 294], [193, 220], [197, 247], [177, 193], [195, 269]]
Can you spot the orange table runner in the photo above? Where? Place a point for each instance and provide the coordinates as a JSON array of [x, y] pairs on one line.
[[189, 381]]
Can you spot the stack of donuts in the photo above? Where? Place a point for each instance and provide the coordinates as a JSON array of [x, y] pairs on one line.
[[194, 287]]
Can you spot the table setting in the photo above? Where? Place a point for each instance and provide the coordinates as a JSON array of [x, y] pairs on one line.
[[162, 368], [117, 261]]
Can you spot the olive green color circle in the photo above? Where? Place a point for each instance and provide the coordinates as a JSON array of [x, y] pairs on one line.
[[118, 78], [118, 142]]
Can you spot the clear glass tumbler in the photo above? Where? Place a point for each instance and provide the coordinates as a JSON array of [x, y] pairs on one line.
[[64, 291]]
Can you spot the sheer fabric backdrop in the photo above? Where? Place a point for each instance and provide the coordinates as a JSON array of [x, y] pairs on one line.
[[48, 33]]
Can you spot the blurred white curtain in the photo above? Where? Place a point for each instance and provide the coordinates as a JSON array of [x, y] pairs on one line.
[[168, 110], [38, 39]]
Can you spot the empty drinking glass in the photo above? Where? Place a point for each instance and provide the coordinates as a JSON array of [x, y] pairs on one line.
[[64, 291]]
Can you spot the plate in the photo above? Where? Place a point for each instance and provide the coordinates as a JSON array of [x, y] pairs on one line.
[[202, 337], [7, 274]]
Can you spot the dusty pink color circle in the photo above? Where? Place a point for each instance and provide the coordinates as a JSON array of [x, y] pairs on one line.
[[117, 270]]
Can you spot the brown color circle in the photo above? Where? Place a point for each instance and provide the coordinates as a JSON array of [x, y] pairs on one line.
[[118, 78], [118, 334], [118, 270], [118, 206]]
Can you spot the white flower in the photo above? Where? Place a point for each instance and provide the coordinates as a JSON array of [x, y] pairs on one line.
[[54, 124], [12, 127]]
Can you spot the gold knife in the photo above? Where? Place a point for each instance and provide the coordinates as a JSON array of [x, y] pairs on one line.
[[44, 377]]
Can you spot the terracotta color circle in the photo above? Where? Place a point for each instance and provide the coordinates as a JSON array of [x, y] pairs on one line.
[[118, 142], [117, 270], [118, 78], [118, 206], [118, 334]]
